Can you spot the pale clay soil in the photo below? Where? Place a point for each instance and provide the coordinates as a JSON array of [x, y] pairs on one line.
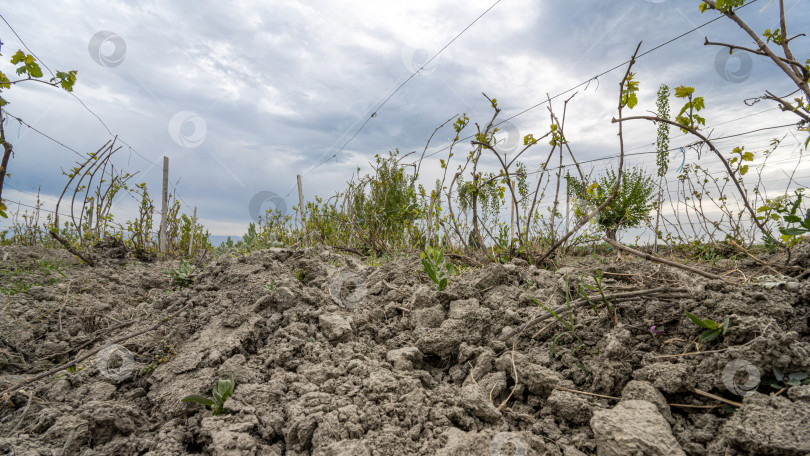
[[342, 358]]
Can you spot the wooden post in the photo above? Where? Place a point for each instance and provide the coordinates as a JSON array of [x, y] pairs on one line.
[[567, 206], [658, 213], [90, 217], [193, 228], [164, 206], [300, 203], [512, 231]]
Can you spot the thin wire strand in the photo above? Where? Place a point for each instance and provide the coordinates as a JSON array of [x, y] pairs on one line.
[[596, 77], [26, 46], [398, 89], [22, 122], [104, 124]]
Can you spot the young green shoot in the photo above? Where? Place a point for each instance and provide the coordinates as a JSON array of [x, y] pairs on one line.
[[569, 324], [183, 275], [597, 278], [436, 267], [712, 328], [221, 392]]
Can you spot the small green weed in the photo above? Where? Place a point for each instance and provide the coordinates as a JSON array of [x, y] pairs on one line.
[[70, 371], [168, 353], [436, 267], [221, 392], [271, 286], [782, 380], [182, 275], [49, 266], [597, 278], [20, 279], [569, 324], [712, 328], [301, 276], [790, 214]]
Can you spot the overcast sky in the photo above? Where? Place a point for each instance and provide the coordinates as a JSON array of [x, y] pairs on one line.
[[242, 96]]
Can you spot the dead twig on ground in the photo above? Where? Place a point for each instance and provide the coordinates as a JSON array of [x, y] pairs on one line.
[[64, 303], [655, 259], [470, 261], [717, 398], [514, 373], [91, 341], [745, 251], [4, 394], [562, 388], [692, 353], [22, 416], [581, 301]]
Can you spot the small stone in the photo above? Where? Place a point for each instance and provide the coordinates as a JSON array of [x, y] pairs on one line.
[[667, 377], [571, 406], [644, 391], [431, 317], [475, 402], [799, 393], [461, 307], [539, 380], [403, 358], [633, 427], [770, 425], [335, 327]]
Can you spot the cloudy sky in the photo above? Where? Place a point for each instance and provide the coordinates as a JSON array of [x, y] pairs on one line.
[[243, 96]]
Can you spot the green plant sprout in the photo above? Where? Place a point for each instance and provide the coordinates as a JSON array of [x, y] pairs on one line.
[[270, 286], [712, 328], [302, 276], [599, 287], [569, 325], [788, 210], [48, 266], [221, 392], [182, 275], [71, 370], [782, 380], [436, 267]]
